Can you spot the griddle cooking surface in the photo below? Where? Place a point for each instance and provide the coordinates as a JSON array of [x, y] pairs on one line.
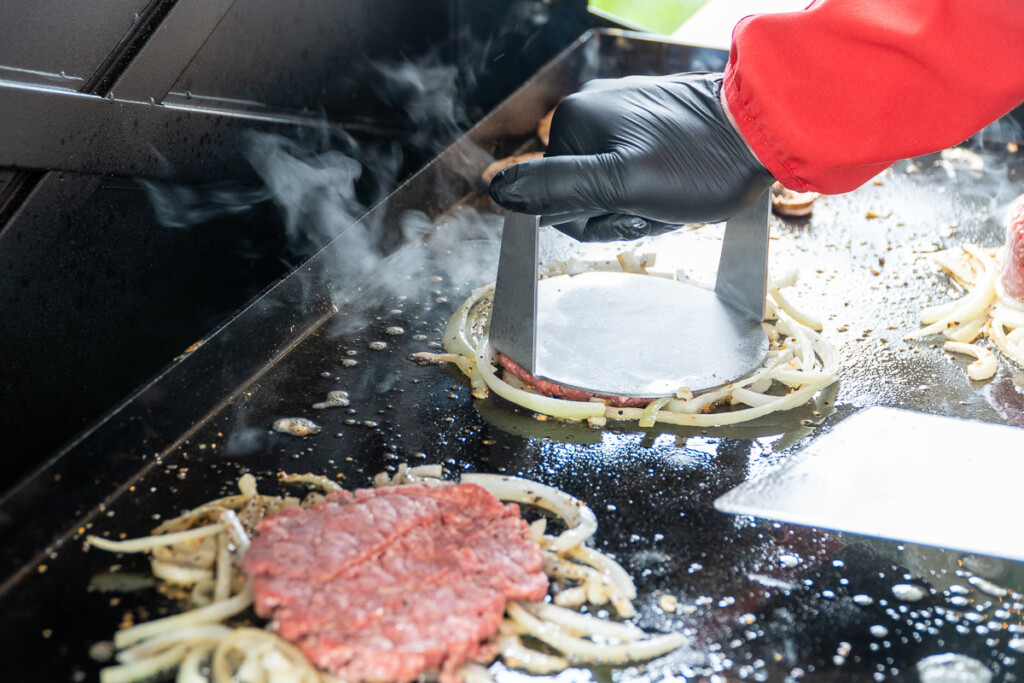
[[759, 600]]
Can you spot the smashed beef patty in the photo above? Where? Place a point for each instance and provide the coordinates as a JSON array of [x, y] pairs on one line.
[[386, 584], [549, 388]]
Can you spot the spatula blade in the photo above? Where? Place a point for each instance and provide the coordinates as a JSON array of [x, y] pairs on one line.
[[901, 475]]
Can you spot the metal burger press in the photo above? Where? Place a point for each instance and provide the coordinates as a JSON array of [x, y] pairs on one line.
[[634, 335]]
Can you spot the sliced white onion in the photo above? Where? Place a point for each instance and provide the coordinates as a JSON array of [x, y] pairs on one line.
[[537, 529], [571, 597], [144, 668], [472, 672], [468, 367], [751, 398], [933, 313], [981, 369], [650, 414], [791, 400], [577, 516], [320, 482], [235, 528], [972, 306], [263, 656], [582, 651], [794, 312], [560, 568], [138, 545], [788, 279], [189, 669], [247, 486], [176, 573], [607, 566], [1010, 317], [966, 332], [212, 613], [1005, 346], [223, 571], [427, 471], [190, 635], [583, 624], [518, 656], [454, 338]]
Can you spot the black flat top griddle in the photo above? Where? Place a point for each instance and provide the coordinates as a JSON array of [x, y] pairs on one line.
[[760, 600]]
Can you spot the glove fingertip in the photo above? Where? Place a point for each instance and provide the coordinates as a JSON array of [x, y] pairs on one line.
[[499, 186], [516, 188]]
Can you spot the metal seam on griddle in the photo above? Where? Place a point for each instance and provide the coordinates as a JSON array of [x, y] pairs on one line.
[[131, 42]]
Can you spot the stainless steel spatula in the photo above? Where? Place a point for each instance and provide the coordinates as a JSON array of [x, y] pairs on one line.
[[628, 334], [901, 475]]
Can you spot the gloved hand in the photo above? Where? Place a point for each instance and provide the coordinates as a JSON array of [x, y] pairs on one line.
[[637, 156]]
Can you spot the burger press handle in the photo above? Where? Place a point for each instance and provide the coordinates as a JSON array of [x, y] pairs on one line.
[[577, 350]]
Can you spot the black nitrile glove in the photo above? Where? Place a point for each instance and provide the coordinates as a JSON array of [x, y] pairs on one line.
[[637, 156]]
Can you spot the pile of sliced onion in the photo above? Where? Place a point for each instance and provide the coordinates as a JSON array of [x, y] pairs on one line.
[[800, 364], [984, 311], [201, 548]]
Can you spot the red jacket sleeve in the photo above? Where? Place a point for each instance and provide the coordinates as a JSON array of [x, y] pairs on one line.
[[830, 96]]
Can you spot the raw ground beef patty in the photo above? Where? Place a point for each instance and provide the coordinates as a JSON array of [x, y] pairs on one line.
[[1013, 256], [385, 584]]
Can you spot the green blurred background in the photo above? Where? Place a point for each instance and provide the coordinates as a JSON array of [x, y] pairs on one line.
[[658, 16]]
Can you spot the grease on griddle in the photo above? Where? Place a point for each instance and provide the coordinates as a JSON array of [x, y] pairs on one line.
[[908, 592], [335, 399], [296, 426], [120, 582], [950, 666]]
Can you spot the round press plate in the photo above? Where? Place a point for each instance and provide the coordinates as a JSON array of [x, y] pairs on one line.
[[638, 335]]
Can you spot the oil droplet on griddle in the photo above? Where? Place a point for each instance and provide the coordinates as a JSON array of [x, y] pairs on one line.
[[986, 586], [952, 668], [335, 399], [789, 561], [296, 426], [907, 592]]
